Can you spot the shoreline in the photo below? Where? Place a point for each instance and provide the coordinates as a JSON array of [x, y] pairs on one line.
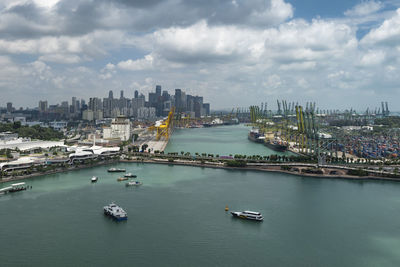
[[32, 175], [269, 168], [266, 169]]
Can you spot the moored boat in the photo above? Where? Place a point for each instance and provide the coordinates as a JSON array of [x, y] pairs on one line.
[[248, 215], [115, 212], [116, 170]]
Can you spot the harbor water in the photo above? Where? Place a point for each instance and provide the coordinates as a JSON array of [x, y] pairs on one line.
[[178, 218], [221, 140]]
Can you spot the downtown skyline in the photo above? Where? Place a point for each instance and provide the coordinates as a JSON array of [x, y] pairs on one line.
[[234, 53]]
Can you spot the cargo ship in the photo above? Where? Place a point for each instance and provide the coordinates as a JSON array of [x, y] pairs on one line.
[[276, 144], [256, 136]]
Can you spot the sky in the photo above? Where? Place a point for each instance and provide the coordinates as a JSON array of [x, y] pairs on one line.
[[236, 53]]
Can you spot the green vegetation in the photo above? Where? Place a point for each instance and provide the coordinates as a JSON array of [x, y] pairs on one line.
[[34, 132], [236, 163], [392, 122], [358, 172], [312, 171], [286, 167]]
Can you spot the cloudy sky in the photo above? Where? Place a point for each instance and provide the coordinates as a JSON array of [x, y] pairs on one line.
[[235, 53]]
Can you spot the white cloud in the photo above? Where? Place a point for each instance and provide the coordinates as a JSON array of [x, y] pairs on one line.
[[372, 58], [386, 34], [365, 8], [145, 63]]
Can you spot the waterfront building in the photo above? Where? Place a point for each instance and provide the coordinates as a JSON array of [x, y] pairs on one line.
[[120, 128], [21, 164]]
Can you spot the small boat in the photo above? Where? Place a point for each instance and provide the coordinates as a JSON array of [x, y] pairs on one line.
[[130, 175], [115, 212], [116, 170], [133, 183], [249, 215], [94, 179], [120, 179]]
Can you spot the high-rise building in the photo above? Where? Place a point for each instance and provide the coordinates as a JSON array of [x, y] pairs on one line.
[[158, 90], [206, 108], [110, 94], [43, 106], [122, 94], [95, 104], [136, 93], [9, 107], [198, 106], [178, 100]]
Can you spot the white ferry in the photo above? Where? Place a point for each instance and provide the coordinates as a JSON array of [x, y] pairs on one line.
[[115, 212], [249, 215]]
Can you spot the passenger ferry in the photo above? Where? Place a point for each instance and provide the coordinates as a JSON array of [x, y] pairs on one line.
[[116, 170], [115, 212], [249, 215], [14, 188]]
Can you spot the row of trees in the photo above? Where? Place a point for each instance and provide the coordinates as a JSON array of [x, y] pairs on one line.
[[34, 132]]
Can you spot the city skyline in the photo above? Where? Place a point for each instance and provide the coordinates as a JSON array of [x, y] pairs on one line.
[[234, 53], [158, 104]]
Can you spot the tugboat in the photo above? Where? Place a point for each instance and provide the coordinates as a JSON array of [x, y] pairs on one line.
[[116, 170], [94, 179], [115, 212], [249, 215], [130, 175], [133, 183]]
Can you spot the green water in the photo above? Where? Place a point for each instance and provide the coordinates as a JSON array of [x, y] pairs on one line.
[[177, 218], [222, 140]]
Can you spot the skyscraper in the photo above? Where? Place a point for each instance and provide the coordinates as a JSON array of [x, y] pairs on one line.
[[158, 90], [136, 94]]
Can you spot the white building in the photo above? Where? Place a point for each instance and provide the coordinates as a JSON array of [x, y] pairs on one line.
[[120, 128]]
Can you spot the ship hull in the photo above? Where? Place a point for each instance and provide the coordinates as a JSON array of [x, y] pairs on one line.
[[255, 139], [276, 147]]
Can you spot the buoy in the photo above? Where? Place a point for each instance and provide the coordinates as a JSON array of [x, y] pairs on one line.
[[226, 208]]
